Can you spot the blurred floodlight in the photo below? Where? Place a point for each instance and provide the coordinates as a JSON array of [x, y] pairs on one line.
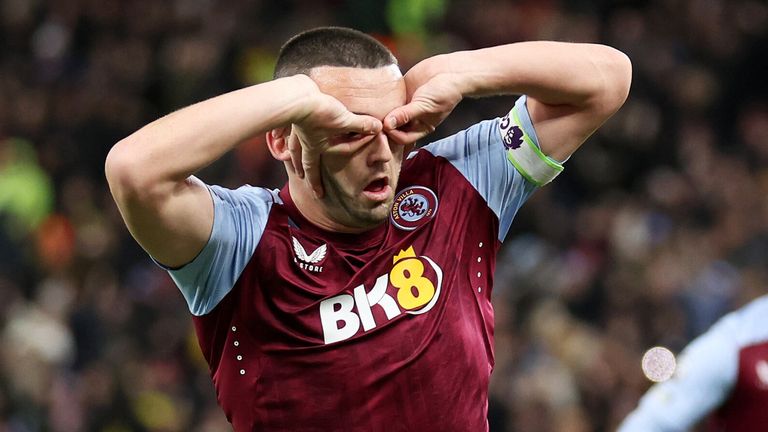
[[659, 364]]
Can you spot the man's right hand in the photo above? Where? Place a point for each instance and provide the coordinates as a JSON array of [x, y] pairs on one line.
[[150, 172], [312, 134]]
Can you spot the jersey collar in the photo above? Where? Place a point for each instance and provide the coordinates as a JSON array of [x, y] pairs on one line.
[[349, 240]]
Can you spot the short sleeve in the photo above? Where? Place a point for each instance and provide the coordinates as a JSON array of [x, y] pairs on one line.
[[502, 161], [240, 217], [706, 374]]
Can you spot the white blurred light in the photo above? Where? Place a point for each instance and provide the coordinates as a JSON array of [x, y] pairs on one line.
[[659, 364]]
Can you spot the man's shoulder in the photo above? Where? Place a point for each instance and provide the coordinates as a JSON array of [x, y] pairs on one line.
[[246, 194], [245, 209], [481, 133], [422, 160]]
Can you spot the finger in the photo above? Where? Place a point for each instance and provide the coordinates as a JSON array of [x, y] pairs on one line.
[[411, 132], [406, 138], [311, 165], [403, 115], [279, 132], [294, 148], [362, 124]]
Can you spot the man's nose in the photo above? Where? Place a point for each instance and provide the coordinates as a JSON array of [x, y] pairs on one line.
[[380, 150]]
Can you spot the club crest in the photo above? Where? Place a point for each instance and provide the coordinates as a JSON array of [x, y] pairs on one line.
[[413, 207]]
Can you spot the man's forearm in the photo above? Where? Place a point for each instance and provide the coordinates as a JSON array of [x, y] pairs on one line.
[[572, 88], [555, 73], [172, 148]]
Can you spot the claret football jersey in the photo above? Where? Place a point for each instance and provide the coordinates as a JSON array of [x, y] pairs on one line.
[[388, 330]]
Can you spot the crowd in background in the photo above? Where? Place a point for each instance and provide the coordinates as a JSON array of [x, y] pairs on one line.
[[658, 226]]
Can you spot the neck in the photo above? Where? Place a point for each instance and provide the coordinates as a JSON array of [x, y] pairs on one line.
[[315, 210]]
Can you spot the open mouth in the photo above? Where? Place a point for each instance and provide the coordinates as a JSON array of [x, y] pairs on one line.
[[377, 185]]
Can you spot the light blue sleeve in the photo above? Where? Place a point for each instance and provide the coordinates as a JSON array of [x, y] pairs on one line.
[[706, 373], [240, 217], [481, 154]]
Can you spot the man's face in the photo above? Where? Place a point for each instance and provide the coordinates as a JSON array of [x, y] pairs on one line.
[[360, 173]]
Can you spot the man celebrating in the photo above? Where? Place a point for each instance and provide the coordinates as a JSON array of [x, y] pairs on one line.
[[357, 298]]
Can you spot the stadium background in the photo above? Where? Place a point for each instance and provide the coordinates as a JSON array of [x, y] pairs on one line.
[[657, 227]]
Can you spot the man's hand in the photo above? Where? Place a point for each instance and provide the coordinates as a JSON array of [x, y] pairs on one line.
[[431, 98], [313, 134]]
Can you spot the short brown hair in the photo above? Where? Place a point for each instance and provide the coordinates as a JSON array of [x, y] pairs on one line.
[[331, 46]]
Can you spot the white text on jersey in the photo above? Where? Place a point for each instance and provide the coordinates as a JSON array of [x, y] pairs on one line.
[[416, 294]]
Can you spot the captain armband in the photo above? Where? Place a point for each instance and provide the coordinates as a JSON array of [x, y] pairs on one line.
[[524, 153]]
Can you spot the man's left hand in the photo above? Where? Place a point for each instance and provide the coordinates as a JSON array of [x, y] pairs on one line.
[[430, 101]]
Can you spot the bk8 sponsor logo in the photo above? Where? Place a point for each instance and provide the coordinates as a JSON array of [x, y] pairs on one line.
[[417, 281]]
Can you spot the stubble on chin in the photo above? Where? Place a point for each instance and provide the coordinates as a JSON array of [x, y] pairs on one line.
[[349, 210]]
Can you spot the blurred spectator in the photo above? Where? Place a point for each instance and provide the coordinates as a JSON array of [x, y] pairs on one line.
[[657, 227], [26, 194]]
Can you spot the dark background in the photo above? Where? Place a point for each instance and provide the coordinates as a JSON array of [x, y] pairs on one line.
[[657, 227]]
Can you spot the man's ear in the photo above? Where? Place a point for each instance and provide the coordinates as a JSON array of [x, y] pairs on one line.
[[277, 141]]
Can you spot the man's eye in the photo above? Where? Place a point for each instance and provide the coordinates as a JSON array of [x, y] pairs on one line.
[[348, 138]]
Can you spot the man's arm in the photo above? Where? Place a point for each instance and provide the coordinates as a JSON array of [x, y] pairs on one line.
[[169, 211], [572, 89]]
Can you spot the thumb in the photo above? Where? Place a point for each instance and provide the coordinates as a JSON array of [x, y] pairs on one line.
[[402, 115]]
